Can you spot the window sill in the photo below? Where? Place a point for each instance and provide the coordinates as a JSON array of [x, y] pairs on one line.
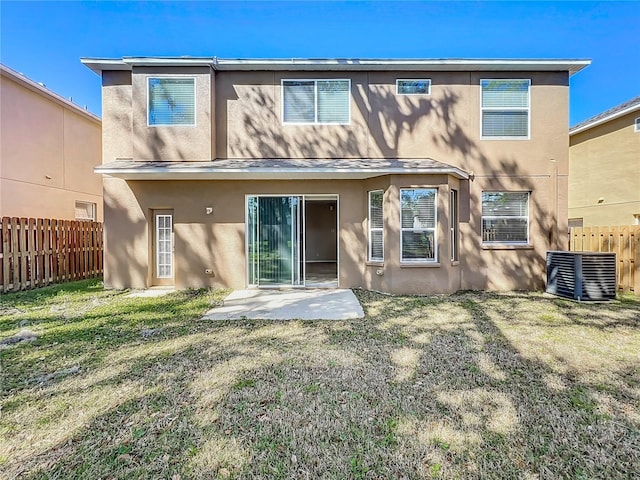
[[420, 265], [507, 246], [171, 125], [374, 264], [506, 138], [455, 263]]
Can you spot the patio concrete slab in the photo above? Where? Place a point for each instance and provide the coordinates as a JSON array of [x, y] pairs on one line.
[[302, 304]]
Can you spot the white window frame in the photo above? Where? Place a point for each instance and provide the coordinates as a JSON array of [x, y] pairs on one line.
[[375, 229], [93, 210], [510, 109], [315, 100], [195, 103], [434, 229], [157, 246], [527, 217], [453, 216], [427, 80], [636, 125]]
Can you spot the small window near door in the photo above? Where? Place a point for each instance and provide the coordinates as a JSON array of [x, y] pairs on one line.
[[164, 246], [86, 211]]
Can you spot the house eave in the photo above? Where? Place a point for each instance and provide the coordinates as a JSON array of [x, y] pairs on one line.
[[572, 66], [608, 118], [207, 171]]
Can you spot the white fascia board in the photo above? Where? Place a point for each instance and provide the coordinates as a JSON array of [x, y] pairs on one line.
[[127, 63], [571, 65], [347, 64], [613, 116], [169, 61], [97, 65], [174, 173]]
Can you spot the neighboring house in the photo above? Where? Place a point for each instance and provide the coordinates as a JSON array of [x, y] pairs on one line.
[[404, 176], [604, 168], [48, 149]]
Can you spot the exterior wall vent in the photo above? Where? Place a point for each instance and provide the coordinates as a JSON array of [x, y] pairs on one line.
[[582, 276]]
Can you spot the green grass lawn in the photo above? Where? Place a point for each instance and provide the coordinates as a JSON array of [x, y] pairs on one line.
[[473, 385]]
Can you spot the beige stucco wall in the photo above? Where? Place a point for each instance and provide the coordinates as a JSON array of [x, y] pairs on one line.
[[443, 126], [604, 176], [187, 142], [47, 153], [217, 241]]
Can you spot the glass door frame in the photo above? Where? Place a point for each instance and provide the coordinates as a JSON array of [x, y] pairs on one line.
[[302, 254]]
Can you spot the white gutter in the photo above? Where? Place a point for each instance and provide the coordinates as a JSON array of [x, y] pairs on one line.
[[600, 121]]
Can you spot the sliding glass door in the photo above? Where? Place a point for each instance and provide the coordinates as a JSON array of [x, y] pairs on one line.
[[274, 233]]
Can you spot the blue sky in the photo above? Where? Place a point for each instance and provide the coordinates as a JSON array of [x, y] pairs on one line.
[[45, 40]]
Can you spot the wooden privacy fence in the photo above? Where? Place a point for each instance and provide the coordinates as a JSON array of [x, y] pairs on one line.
[[624, 241], [38, 252]]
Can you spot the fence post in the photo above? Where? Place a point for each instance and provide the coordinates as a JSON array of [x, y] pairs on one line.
[[6, 248]]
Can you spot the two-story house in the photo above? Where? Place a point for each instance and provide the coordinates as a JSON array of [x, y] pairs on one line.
[[49, 147], [403, 176]]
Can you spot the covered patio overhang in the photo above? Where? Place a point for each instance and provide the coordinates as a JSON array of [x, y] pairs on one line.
[[276, 169]]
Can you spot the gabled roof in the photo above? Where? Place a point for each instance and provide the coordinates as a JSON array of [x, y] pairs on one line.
[[344, 64], [629, 106], [276, 169], [44, 91]]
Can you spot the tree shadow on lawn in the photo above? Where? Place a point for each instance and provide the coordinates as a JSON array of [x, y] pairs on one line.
[[423, 386]]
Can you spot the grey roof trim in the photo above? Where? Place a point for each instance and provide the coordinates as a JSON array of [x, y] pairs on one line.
[[572, 66], [625, 108], [97, 65], [273, 169], [44, 91]]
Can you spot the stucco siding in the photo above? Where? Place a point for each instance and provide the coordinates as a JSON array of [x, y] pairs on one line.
[[244, 120], [604, 178], [48, 151]]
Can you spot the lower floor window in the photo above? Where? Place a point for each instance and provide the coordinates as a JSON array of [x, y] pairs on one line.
[[418, 224], [85, 211], [505, 217]]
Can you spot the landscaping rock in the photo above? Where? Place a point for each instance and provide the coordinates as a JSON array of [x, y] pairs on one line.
[[149, 332], [58, 374], [21, 336], [10, 311]]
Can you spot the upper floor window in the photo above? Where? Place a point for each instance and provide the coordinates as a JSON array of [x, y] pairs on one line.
[[172, 101], [376, 226], [637, 127], [505, 108], [413, 86], [418, 224], [505, 217], [316, 101]]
